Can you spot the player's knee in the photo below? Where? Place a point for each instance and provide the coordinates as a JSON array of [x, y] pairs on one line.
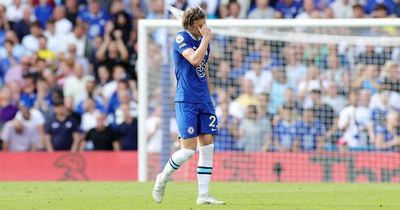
[[188, 153]]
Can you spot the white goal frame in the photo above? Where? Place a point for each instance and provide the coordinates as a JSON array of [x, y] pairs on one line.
[[141, 70]]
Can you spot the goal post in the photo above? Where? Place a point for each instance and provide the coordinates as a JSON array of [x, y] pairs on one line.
[[156, 91]]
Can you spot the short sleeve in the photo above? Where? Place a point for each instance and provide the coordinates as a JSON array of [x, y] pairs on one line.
[[181, 43]]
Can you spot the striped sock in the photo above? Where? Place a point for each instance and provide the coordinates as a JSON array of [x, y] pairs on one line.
[[204, 169], [176, 160]]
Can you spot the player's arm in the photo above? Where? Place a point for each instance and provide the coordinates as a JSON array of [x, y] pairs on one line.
[[196, 56]]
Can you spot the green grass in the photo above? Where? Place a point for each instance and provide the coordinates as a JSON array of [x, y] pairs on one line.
[[182, 195]]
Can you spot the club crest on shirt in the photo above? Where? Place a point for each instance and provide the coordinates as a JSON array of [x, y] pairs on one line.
[[179, 39], [201, 70]]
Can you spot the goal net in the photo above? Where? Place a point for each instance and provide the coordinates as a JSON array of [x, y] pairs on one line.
[[296, 101]]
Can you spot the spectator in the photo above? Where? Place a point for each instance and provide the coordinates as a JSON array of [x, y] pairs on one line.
[[309, 10], [43, 52], [333, 99], [43, 97], [63, 25], [128, 129], [28, 94], [354, 121], [93, 94], [334, 72], [4, 25], [224, 81], [15, 73], [155, 133], [295, 70], [18, 51], [254, 132], [385, 99], [7, 109], [53, 39], [325, 114], [15, 11], [279, 86], [72, 54], [309, 133], [381, 107], [62, 132], [123, 23], [234, 10], [262, 10], [223, 11], [71, 10], [156, 10], [387, 133], [113, 52], [358, 11], [118, 73], [287, 9], [261, 79], [19, 137], [311, 82], [78, 38], [70, 110], [22, 27], [227, 129], [89, 116], [9, 60], [371, 56], [342, 8], [263, 98], [291, 100], [31, 41], [138, 8], [124, 97], [284, 132], [367, 78], [95, 17], [380, 11], [43, 12], [102, 136], [248, 97], [389, 77], [75, 83], [371, 5], [32, 118]]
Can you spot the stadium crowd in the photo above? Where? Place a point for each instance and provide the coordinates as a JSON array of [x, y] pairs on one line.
[[68, 79]]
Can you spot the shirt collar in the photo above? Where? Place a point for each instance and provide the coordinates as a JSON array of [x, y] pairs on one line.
[[191, 35]]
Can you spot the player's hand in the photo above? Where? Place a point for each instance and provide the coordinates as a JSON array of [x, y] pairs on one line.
[[206, 32]]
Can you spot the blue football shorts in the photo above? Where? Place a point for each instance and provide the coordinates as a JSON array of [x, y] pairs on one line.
[[195, 119]]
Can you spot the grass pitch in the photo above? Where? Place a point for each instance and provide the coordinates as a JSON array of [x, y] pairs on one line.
[[182, 195]]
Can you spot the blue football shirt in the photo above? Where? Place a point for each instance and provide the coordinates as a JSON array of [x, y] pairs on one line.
[[192, 86]]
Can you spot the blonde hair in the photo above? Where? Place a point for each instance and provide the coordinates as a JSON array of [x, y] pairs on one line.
[[192, 14]]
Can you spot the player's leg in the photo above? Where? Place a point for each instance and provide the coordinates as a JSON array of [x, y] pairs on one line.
[[187, 124], [208, 128]]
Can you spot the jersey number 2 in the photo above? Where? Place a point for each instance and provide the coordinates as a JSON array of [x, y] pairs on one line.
[[213, 119]]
